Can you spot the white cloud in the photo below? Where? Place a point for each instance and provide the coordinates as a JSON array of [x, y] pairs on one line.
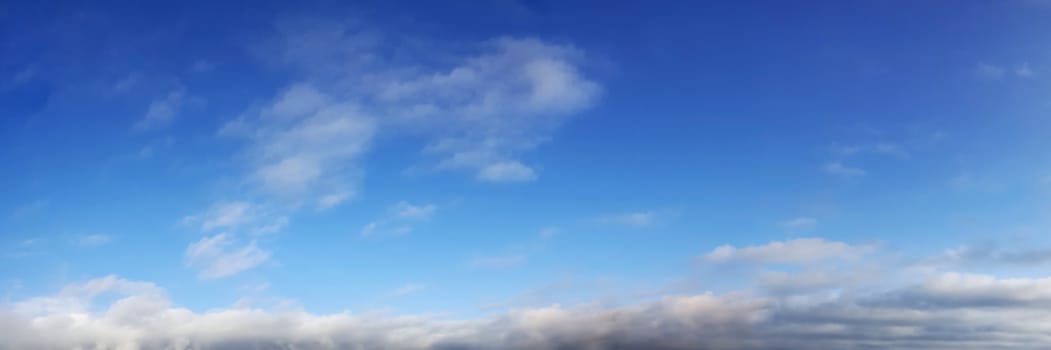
[[824, 308], [161, 112], [506, 171], [794, 251], [215, 258], [332, 199], [840, 170], [879, 148], [304, 145], [479, 112], [948, 311], [94, 240], [234, 216], [406, 210]]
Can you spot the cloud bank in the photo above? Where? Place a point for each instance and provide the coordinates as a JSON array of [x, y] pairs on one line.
[[932, 310]]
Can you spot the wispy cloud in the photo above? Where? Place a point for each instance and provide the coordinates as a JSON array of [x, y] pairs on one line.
[[999, 72], [29, 208], [238, 216], [93, 240], [505, 261], [841, 170], [399, 219], [216, 258], [634, 218], [411, 288], [162, 111], [989, 71], [801, 250], [798, 224]]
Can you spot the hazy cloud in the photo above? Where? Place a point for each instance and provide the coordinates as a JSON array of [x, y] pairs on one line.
[[162, 111], [399, 219], [796, 251], [94, 240], [840, 170], [215, 256]]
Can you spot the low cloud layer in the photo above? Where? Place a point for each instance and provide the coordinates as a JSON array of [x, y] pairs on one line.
[[930, 310]]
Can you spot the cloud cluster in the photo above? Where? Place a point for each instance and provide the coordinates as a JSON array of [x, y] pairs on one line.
[[476, 111], [944, 311]]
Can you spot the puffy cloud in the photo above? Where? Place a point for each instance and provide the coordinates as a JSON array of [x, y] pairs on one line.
[[215, 257], [795, 251]]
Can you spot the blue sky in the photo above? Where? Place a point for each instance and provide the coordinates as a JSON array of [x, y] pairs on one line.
[[506, 161]]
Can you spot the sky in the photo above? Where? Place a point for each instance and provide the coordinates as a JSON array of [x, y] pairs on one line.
[[525, 175]]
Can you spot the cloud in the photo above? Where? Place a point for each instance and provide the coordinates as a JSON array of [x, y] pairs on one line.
[[233, 216], [304, 144], [476, 111], [995, 72], [631, 219], [1023, 70], [411, 288], [506, 171], [399, 219], [843, 171], [406, 210], [989, 254], [946, 311], [549, 232], [29, 208], [332, 199], [799, 223], [215, 258], [203, 66], [794, 251], [161, 112], [498, 261], [988, 71], [94, 240], [878, 148]]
